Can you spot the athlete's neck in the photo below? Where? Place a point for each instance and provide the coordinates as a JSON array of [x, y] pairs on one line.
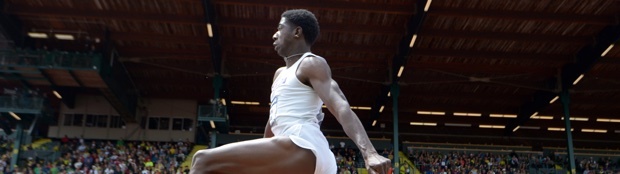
[[294, 56]]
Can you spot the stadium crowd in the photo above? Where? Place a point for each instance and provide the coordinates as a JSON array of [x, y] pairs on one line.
[[79, 156], [500, 163], [104, 157]]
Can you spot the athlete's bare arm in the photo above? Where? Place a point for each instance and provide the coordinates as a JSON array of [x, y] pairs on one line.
[[317, 73]]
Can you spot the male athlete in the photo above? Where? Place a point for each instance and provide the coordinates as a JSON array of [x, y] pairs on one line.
[[293, 142]]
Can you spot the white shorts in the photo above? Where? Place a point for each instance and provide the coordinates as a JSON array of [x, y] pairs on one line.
[[308, 135]]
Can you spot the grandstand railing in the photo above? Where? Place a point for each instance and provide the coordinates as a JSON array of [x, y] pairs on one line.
[[21, 102], [49, 59]]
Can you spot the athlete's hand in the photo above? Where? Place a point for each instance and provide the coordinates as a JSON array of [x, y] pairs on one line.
[[377, 164]]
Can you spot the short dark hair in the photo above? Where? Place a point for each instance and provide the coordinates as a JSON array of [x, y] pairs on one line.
[[306, 20]]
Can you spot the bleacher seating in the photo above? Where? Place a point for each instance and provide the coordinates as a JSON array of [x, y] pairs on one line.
[[103, 156], [461, 158]]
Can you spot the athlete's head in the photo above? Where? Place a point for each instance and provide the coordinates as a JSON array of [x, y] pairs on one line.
[[306, 20]]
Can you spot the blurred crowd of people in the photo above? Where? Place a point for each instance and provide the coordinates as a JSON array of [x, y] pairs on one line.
[[105, 157], [499, 163]]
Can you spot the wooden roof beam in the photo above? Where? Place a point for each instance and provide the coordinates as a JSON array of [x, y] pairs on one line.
[[522, 16], [267, 43], [329, 5], [155, 37], [482, 68], [47, 12], [161, 52], [508, 36], [271, 24], [490, 55]]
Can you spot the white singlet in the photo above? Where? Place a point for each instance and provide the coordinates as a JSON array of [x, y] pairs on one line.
[[296, 113]]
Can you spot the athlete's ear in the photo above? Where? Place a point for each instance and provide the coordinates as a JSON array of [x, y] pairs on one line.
[[298, 31]]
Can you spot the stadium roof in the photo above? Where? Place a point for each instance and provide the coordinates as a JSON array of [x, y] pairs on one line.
[[487, 65]]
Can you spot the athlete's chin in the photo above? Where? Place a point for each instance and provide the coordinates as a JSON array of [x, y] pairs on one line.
[[277, 51]]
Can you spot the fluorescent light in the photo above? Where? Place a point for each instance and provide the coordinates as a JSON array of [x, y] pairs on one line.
[[224, 102], [415, 36], [555, 129], [554, 99], [37, 35], [608, 120], [364, 108], [577, 118], [540, 117], [467, 114], [209, 30], [361, 107], [428, 5], [617, 131], [400, 71], [324, 106], [57, 94], [422, 124], [534, 114], [503, 115], [381, 109], [389, 94], [530, 127], [431, 113], [244, 103], [578, 79], [516, 128], [457, 125], [492, 126], [212, 124], [594, 130], [64, 37], [607, 50], [14, 115], [559, 129], [374, 122]]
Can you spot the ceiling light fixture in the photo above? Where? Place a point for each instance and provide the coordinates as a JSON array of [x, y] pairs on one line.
[[37, 35], [554, 99], [607, 50], [14, 115], [578, 79], [209, 30], [57, 94], [415, 36], [428, 5], [400, 71], [64, 37], [516, 128], [422, 124]]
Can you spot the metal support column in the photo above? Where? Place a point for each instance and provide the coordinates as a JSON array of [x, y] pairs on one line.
[[564, 96], [217, 86], [213, 136], [395, 92], [17, 144]]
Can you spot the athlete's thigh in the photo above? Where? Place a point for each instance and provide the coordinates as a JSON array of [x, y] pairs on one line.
[[265, 155]]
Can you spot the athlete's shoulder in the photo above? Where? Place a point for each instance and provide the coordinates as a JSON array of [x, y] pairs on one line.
[[275, 75], [314, 61]]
